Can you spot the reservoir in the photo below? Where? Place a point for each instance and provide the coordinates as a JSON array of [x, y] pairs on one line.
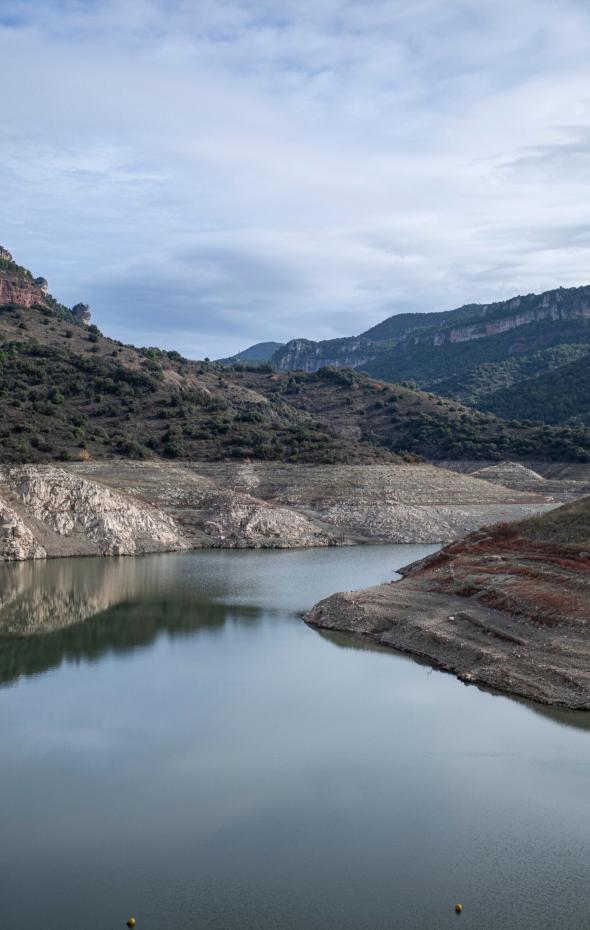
[[178, 746]]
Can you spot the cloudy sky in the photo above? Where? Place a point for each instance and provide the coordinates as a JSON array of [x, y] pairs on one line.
[[212, 173]]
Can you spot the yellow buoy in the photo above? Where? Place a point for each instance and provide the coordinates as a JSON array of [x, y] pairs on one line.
[[458, 908], [131, 922]]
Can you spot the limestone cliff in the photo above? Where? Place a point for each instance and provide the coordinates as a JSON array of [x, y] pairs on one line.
[[123, 508], [399, 347], [305, 355], [17, 541], [47, 503]]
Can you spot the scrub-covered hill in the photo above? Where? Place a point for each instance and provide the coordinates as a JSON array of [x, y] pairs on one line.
[[560, 395], [399, 417], [473, 354], [68, 392]]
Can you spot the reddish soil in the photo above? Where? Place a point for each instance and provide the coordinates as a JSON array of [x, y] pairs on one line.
[[500, 608]]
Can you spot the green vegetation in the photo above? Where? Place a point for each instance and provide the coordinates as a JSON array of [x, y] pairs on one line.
[[67, 391], [405, 420], [432, 366], [556, 396], [65, 397], [475, 354]]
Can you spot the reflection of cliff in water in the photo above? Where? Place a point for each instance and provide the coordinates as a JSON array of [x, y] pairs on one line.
[[39, 597], [81, 610]]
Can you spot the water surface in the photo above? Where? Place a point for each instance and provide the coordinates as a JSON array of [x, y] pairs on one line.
[[186, 750]]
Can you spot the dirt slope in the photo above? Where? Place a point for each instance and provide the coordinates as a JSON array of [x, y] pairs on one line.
[[506, 608]]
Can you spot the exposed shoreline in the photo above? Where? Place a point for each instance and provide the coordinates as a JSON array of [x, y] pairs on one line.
[[129, 508], [499, 610]]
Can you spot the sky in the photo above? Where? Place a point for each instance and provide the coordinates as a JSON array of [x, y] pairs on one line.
[[207, 174]]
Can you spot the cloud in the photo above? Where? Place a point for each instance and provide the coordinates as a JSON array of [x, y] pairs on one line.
[[209, 174]]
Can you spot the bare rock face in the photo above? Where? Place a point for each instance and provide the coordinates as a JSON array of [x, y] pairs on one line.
[[378, 503], [510, 475], [25, 295], [82, 313], [17, 286], [71, 506], [309, 356], [518, 477], [42, 284], [110, 508], [17, 542], [254, 524]]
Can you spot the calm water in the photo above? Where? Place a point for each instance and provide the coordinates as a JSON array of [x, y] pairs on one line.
[[194, 755]]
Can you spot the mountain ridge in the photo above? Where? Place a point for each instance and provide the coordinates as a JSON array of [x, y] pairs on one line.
[[69, 392], [470, 353]]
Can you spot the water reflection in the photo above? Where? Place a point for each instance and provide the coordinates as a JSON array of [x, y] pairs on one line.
[[84, 609], [74, 610], [118, 630], [43, 597], [199, 757], [579, 720]]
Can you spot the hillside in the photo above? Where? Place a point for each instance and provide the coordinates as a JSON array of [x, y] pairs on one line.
[[470, 353], [560, 395], [401, 418], [68, 392], [568, 525], [71, 393]]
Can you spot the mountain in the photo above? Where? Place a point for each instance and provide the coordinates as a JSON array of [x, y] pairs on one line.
[[69, 392], [260, 352], [472, 354]]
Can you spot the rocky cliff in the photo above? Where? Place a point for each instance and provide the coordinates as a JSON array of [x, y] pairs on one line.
[[466, 324], [123, 508], [15, 291], [557, 305], [17, 540], [50, 512], [19, 288], [305, 355]]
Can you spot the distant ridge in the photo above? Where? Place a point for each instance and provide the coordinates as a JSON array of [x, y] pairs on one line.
[[260, 352], [479, 354]]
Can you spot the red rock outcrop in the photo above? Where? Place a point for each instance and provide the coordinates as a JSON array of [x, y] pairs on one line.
[[25, 295]]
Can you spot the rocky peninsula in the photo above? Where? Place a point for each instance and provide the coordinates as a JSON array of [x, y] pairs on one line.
[[506, 608]]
